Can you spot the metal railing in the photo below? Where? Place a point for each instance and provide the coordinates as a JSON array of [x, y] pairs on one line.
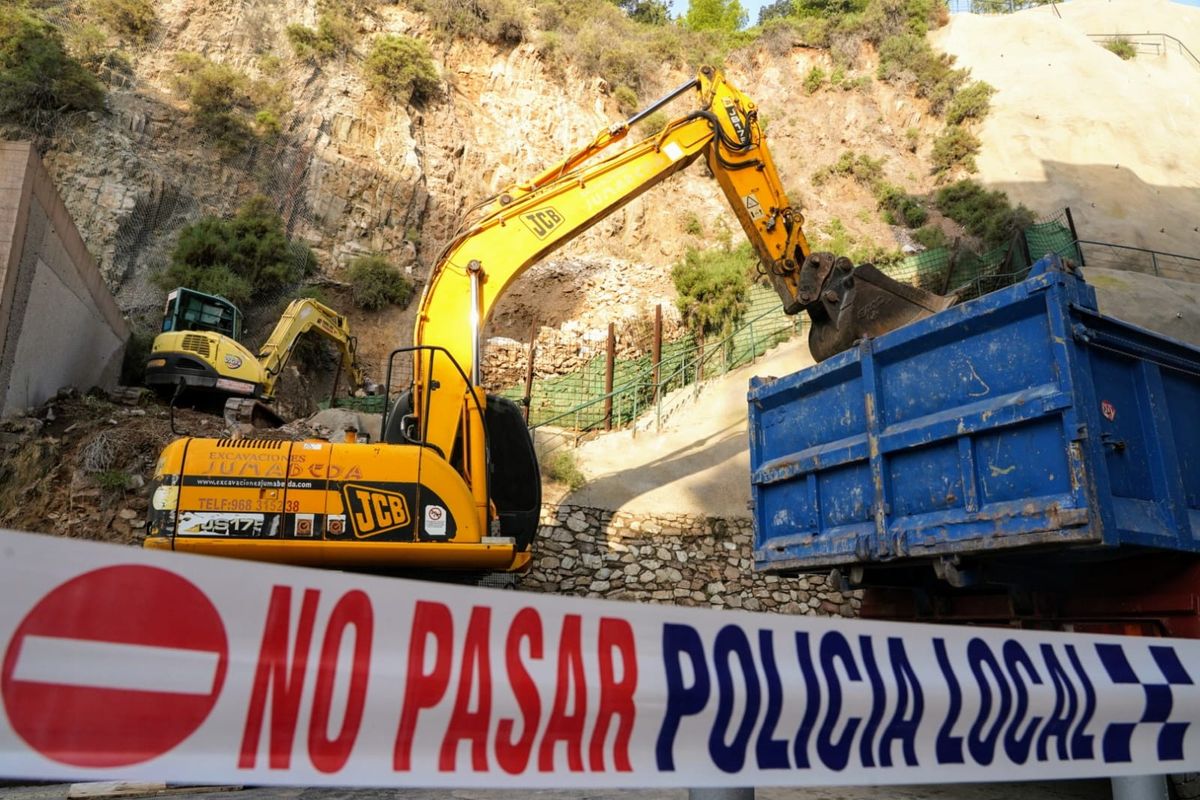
[[996, 6], [1140, 259], [1150, 43]]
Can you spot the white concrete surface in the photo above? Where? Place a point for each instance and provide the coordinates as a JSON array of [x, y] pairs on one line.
[[59, 325]]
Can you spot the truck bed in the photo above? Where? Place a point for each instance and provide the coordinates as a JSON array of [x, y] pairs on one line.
[[1021, 423]]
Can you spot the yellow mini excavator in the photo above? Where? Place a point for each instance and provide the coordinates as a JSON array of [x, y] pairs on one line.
[[198, 349], [454, 484]]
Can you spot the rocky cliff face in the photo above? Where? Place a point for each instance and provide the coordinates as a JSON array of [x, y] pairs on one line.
[[353, 173]]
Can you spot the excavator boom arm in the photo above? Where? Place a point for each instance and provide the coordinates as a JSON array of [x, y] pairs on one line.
[[532, 219]]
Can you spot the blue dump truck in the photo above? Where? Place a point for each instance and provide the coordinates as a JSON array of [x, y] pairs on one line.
[[1019, 459]]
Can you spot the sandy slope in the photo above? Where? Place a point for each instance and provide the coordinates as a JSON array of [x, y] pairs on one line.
[[1074, 125]]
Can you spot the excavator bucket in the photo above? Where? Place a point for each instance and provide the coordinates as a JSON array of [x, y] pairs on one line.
[[848, 303]]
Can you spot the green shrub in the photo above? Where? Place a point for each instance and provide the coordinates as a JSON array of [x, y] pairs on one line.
[[983, 213], [882, 19], [268, 123], [627, 99], [502, 22], [861, 167], [334, 36], [778, 35], [970, 102], [1122, 47], [112, 480], [692, 226], [827, 8], [401, 67], [39, 80], [242, 258], [834, 237], [899, 207], [602, 48], [814, 80], [908, 58], [774, 11], [132, 18], [653, 124], [227, 105], [599, 38], [561, 467], [712, 287], [303, 40], [912, 139], [954, 147], [376, 284], [931, 237], [313, 293]]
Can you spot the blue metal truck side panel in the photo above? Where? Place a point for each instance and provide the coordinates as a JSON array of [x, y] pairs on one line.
[[1023, 419]]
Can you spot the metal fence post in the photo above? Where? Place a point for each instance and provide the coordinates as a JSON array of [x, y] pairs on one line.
[[1140, 787], [609, 364], [533, 327], [656, 350], [726, 793]]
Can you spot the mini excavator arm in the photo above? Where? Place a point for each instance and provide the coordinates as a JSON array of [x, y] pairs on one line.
[[300, 317]]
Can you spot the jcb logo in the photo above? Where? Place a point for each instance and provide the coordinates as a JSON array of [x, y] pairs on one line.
[[542, 222], [374, 511]]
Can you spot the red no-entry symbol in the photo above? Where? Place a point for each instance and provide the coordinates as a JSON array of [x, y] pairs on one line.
[[114, 667]]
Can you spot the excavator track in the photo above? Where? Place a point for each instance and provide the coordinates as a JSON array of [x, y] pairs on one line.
[[246, 411]]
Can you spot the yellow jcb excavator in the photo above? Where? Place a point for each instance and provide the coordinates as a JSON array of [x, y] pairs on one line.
[[198, 349], [454, 484]]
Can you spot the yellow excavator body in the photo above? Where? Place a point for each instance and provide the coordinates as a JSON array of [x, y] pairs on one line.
[[207, 360], [315, 503]]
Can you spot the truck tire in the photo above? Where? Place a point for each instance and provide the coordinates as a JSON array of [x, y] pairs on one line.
[[1185, 785]]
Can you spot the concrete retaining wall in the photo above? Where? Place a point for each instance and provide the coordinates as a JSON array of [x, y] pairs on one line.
[[59, 325]]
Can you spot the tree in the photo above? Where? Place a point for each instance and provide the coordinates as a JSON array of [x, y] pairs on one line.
[[38, 79], [712, 288], [648, 12], [240, 258], [828, 8], [715, 15], [376, 284], [776, 10], [402, 67]]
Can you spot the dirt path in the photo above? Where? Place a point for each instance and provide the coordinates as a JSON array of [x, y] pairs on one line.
[[698, 462]]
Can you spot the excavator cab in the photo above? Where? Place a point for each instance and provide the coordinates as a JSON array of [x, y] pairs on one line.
[[189, 310]]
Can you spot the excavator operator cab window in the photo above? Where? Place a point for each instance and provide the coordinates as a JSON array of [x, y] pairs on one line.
[[189, 310]]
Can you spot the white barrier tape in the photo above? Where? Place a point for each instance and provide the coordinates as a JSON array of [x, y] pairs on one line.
[[154, 666]]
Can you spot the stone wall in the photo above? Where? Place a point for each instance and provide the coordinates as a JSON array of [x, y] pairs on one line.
[[680, 559]]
